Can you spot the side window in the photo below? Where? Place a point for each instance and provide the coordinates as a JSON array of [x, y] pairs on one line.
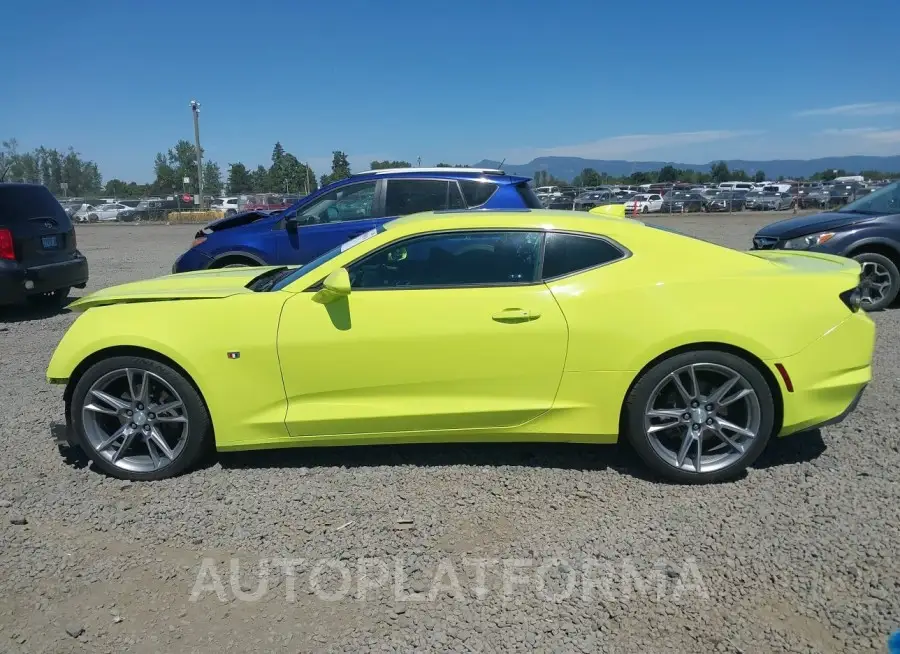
[[476, 193], [406, 196], [474, 258], [351, 202], [565, 254]]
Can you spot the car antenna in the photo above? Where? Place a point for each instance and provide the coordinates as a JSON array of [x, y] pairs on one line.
[[501, 163]]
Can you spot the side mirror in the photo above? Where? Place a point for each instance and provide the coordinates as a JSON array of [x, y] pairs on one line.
[[336, 285], [291, 224]]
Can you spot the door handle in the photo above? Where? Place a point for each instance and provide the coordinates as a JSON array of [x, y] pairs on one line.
[[516, 315]]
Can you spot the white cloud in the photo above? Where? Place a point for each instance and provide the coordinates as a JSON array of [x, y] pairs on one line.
[[877, 135], [619, 147], [861, 109]]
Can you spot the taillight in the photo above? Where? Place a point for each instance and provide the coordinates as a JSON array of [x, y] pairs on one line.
[[7, 251], [198, 241]]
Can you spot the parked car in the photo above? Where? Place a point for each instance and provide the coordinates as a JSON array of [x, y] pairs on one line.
[[156, 209], [751, 199], [867, 230], [39, 258], [644, 203], [347, 208], [267, 202], [841, 194], [389, 338], [106, 212], [774, 201], [680, 201], [725, 200], [587, 201], [228, 206], [812, 197]]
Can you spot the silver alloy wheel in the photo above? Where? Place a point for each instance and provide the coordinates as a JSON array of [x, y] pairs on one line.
[[874, 284], [135, 420], [702, 417]]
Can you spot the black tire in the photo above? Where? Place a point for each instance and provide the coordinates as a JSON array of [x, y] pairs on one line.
[[639, 396], [645, 209], [93, 218], [230, 212], [199, 436], [894, 274]]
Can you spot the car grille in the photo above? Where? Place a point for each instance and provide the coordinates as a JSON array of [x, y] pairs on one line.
[[764, 242]]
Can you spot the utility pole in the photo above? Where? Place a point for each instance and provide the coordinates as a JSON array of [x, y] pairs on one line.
[[195, 109]]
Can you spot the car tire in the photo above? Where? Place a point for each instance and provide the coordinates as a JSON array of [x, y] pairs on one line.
[[645, 209], [660, 446], [138, 463], [881, 266], [230, 212], [93, 218]]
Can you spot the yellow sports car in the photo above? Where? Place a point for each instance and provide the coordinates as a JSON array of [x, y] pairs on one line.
[[473, 326]]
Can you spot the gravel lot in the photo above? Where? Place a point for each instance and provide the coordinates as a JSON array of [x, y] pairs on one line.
[[801, 555]]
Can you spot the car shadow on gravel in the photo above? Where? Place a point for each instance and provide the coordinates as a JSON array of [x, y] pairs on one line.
[[31, 312], [563, 456]]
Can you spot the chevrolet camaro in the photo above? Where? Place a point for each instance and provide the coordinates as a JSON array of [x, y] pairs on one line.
[[530, 325]]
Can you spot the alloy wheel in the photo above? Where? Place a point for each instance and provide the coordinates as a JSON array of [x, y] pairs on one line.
[[875, 283], [702, 417], [135, 420]]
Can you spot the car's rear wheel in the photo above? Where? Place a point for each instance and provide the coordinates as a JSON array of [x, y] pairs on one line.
[[880, 281], [700, 417], [93, 218], [139, 419]]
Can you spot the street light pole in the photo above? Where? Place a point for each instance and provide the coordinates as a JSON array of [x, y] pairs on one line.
[[195, 109]]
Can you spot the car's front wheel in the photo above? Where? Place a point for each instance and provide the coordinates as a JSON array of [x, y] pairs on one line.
[[880, 281], [700, 417], [139, 419]]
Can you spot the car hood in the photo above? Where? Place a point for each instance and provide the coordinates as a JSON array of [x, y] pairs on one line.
[[202, 284], [820, 222]]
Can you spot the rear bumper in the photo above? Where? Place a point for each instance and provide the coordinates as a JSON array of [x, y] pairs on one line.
[[17, 283], [829, 376]]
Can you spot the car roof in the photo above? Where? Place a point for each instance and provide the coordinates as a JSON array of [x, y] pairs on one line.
[[576, 221], [484, 174]]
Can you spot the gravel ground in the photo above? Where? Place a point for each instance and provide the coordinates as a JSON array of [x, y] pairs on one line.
[[801, 555]]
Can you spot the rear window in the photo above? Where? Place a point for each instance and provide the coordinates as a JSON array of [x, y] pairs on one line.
[[529, 198], [565, 254], [477, 193], [24, 202]]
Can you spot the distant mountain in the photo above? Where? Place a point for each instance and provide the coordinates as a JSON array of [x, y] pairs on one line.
[[568, 167]]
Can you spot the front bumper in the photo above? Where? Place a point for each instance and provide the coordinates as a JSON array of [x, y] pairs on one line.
[[190, 261], [18, 283], [828, 376]]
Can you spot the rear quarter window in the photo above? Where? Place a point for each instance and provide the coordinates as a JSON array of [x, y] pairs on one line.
[[20, 203], [477, 193], [565, 254]]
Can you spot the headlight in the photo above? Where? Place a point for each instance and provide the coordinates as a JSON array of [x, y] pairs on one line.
[[805, 242]]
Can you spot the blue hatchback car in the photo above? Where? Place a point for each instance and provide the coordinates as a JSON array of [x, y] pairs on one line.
[[347, 208]]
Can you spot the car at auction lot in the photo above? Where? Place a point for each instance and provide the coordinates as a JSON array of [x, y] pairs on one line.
[[681, 201], [774, 201], [39, 258], [472, 326], [725, 201], [644, 203], [867, 230], [345, 209]]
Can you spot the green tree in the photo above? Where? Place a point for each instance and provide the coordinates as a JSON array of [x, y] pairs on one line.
[[588, 177], [446, 165], [759, 177], [340, 168], [259, 180], [382, 165], [239, 179], [172, 167], [288, 175], [719, 172], [668, 174], [9, 155], [212, 178]]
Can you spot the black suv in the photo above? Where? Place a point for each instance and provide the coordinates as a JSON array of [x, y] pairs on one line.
[[38, 257]]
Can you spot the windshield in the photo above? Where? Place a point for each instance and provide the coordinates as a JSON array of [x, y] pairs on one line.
[[297, 273], [883, 201]]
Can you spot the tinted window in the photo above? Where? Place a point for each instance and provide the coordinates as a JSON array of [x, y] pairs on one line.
[[529, 199], [477, 193], [451, 259], [350, 202], [568, 253], [24, 202], [406, 196]]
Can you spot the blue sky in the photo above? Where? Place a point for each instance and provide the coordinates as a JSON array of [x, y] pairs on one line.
[[458, 82]]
